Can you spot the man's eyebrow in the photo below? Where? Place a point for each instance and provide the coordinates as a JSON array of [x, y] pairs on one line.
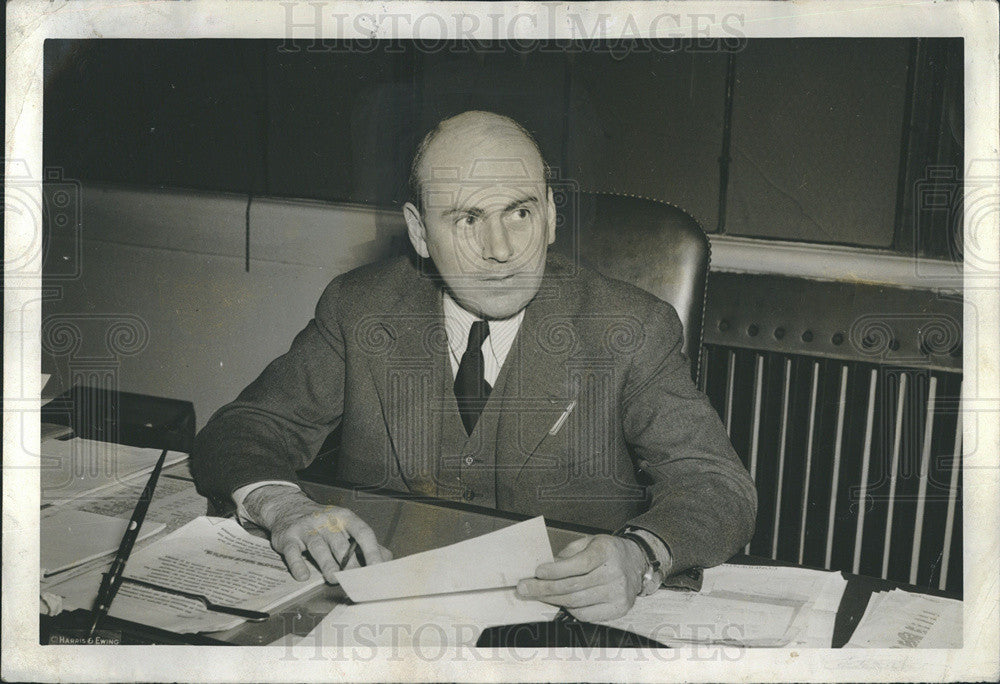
[[516, 203], [474, 211]]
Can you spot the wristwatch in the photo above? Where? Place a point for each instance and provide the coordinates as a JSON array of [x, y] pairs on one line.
[[652, 576]]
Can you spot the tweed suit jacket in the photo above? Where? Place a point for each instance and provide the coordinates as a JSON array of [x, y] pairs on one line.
[[639, 444]]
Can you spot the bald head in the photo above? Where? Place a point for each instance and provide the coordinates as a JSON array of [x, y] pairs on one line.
[[482, 211], [473, 142]]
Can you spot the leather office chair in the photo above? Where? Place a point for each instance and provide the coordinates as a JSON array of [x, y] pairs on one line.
[[648, 243]]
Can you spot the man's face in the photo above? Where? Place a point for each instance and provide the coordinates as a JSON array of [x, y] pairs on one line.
[[488, 219]]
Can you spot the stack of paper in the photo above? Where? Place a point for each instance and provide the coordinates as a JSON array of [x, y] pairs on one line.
[[77, 468], [175, 503], [744, 605], [211, 556], [901, 619]]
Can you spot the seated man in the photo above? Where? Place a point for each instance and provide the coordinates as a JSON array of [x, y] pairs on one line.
[[491, 372]]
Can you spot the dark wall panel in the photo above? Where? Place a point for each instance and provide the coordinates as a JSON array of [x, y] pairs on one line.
[[184, 113], [319, 109], [816, 135], [658, 128], [816, 138]]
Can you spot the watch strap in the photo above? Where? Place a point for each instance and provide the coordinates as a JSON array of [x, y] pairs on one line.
[[644, 545]]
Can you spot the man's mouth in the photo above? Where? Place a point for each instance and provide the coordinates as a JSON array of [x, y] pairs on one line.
[[498, 278]]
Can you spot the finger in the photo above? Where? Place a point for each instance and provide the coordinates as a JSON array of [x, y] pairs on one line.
[[319, 549], [533, 588], [591, 596], [599, 612], [578, 564], [292, 554], [386, 553], [574, 547], [359, 529], [338, 543]]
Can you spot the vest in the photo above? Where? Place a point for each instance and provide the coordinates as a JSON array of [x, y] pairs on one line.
[[467, 464]]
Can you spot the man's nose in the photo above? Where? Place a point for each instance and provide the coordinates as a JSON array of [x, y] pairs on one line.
[[496, 240]]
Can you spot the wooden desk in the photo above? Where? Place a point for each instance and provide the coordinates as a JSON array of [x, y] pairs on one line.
[[406, 525]]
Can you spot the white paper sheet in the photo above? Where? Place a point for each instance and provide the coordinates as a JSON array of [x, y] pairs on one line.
[[425, 622], [902, 619], [69, 537], [491, 561], [76, 468], [672, 617]]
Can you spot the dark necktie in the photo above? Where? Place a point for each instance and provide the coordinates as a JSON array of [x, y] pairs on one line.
[[471, 388]]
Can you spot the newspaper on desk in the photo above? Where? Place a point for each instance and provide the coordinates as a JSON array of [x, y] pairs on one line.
[[175, 503], [902, 619]]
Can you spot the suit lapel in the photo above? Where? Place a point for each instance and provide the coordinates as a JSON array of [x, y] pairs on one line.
[[540, 386], [407, 371]]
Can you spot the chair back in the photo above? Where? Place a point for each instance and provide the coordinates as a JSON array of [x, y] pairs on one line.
[[650, 244]]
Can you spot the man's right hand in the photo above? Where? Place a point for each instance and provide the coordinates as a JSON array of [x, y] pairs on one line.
[[298, 524]]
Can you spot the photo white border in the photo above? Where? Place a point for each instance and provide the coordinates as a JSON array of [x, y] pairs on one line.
[[30, 23]]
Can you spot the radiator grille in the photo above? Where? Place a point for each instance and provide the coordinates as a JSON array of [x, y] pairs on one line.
[[857, 465]]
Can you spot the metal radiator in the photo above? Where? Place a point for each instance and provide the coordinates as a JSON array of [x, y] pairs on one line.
[[843, 401]]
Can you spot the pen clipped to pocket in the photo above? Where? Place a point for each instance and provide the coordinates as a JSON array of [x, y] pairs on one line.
[[561, 420], [539, 438]]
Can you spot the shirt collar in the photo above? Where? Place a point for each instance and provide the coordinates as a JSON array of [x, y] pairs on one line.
[[458, 322]]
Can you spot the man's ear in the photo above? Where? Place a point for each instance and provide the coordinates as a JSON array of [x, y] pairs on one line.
[[551, 211], [416, 229]]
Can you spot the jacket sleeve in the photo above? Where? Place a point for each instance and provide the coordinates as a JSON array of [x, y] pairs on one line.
[[279, 422], [703, 501]]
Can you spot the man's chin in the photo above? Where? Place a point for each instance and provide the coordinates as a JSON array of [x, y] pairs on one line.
[[501, 313], [494, 299], [496, 307]]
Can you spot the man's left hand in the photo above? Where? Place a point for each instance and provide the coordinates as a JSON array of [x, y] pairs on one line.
[[594, 578]]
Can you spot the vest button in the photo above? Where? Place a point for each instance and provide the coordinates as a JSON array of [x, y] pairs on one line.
[[469, 460], [468, 495]]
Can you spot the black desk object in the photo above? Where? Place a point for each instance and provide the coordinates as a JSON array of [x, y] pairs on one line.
[[138, 420], [563, 634]]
